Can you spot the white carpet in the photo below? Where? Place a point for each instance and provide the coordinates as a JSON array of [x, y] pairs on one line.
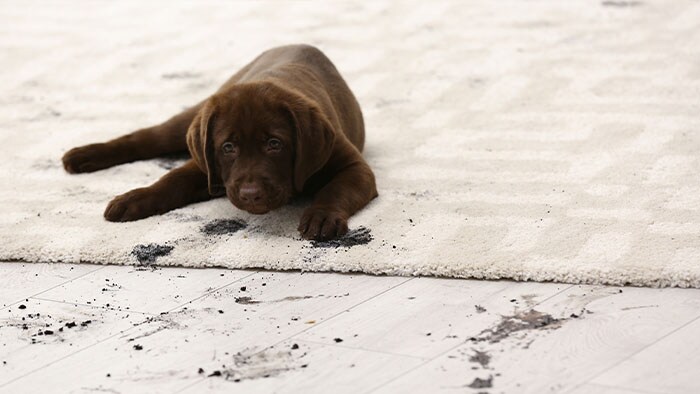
[[525, 140]]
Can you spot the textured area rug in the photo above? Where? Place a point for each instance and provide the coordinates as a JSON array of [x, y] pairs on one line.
[[523, 140]]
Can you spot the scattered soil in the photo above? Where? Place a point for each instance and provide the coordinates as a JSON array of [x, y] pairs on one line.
[[479, 309], [223, 226], [521, 321], [147, 254]]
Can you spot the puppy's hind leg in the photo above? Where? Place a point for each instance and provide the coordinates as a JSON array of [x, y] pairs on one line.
[[163, 139]]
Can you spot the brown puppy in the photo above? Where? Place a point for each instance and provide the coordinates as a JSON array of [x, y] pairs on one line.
[[285, 124]]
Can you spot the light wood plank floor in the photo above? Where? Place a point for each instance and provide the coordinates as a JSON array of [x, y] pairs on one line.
[[114, 329]]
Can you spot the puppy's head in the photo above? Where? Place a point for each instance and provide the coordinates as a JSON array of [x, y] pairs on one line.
[[259, 143]]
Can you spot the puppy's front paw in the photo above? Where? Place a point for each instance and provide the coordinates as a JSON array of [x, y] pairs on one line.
[[87, 158], [134, 205], [322, 224]]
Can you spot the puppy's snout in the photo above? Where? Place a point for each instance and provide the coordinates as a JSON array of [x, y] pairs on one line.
[[250, 193]]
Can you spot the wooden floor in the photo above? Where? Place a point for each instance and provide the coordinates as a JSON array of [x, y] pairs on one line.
[[112, 329]]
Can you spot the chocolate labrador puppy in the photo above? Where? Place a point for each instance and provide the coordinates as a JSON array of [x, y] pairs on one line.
[[286, 124]]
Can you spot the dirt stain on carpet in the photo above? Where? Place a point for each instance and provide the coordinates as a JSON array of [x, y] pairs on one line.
[[358, 236], [147, 254], [482, 358], [223, 226]]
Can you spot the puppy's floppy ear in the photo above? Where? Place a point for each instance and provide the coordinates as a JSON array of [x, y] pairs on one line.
[[315, 137], [200, 144]]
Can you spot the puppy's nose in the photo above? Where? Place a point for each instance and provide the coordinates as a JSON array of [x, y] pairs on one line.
[[250, 193]]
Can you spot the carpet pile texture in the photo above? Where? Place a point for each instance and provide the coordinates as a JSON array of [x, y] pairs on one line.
[[537, 140]]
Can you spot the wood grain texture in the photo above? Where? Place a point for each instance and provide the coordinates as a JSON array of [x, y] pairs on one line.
[[292, 332], [597, 327], [678, 353], [21, 280]]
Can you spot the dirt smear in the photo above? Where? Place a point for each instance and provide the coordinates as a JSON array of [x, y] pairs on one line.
[[250, 300], [147, 254], [521, 321], [358, 236], [223, 226], [251, 364]]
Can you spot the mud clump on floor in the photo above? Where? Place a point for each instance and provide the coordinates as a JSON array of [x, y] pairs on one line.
[[482, 358], [223, 226], [147, 254], [526, 320], [358, 236], [479, 383]]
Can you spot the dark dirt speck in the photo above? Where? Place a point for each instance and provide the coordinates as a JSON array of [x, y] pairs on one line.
[[223, 226], [358, 236], [146, 254], [22, 306], [138, 347], [338, 340]]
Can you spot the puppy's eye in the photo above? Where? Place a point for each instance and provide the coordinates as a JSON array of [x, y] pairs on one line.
[[274, 144], [228, 147]]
